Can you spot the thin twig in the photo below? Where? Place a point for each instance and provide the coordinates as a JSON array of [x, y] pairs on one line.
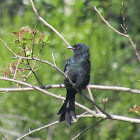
[[87, 129], [33, 46], [46, 126], [134, 47], [90, 94], [53, 59], [33, 34], [30, 68], [31, 86], [126, 31], [8, 47], [16, 68], [115, 88], [41, 48], [47, 24], [34, 62], [125, 35], [108, 23], [97, 106], [38, 129], [91, 97], [3, 136], [35, 75], [20, 89], [123, 15]]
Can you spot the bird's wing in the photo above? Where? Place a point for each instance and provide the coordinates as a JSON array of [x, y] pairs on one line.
[[67, 64]]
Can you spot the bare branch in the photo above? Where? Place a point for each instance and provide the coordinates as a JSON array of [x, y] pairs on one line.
[[115, 88], [98, 87], [123, 15], [134, 47], [115, 117], [91, 97], [34, 63], [3, 136], [31, 86], [87, 129], [8, 47], [125, 35], [20, 89], [48, 125], [53, 59], [126, 119], [16, 68], [47, 24], [38, 129], [89, 91], [97, 106], [33, 43], [108, 23]]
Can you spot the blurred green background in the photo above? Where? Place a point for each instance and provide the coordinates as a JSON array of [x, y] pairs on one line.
[[112, 58]]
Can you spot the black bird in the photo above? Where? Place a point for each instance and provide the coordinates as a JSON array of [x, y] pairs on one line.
[[77, 68]]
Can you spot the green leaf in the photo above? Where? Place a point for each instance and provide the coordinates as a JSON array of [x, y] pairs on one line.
[[28, 53], [46, 39]]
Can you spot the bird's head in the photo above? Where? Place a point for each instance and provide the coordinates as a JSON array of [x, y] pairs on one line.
[[79, 49]]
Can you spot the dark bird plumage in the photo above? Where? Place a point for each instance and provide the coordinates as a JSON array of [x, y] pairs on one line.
[[77, 68]]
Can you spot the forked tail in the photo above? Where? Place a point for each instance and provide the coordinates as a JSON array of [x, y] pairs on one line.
[[67, 111]]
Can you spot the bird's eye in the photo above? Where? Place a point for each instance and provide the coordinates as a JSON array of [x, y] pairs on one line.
[[78, 47]]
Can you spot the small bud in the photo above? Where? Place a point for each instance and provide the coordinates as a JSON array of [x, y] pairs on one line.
[[105, 100]]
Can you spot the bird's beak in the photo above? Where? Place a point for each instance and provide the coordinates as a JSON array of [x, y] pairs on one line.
[[70, 47]]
